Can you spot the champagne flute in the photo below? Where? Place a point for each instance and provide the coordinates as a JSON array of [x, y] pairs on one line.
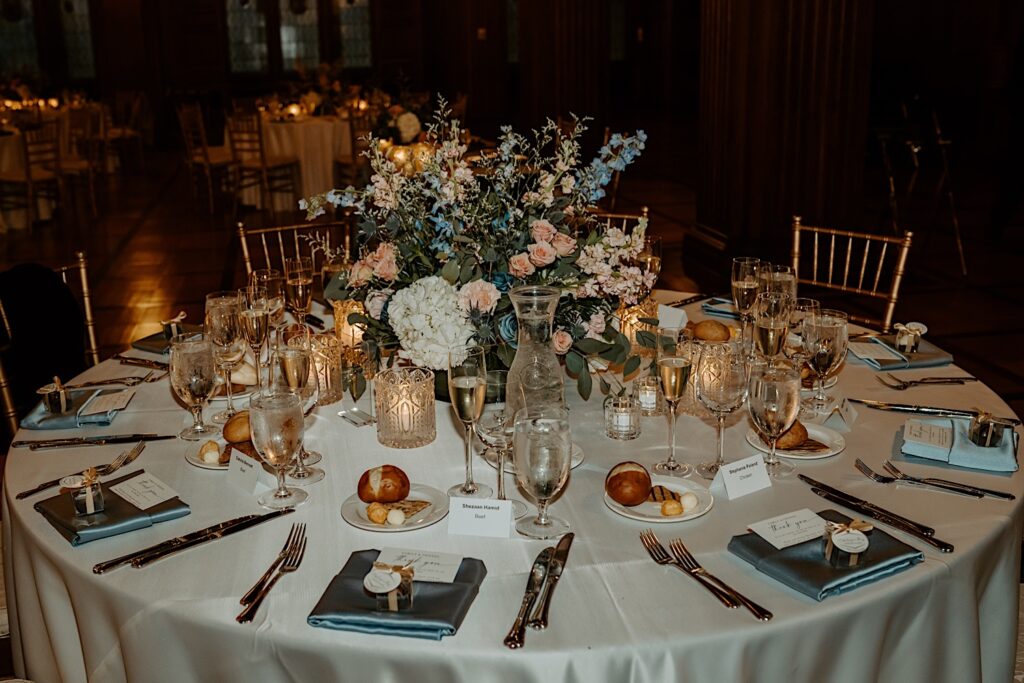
[[298, 285], [193, 376], [773, 399], [674, 360], [542, 452], [773, 278], [467, 387], [254, 318], [496, 431], [826, 337], [772, 311], [293, 370], [802, 309], [273, 282], [744, 288], [721, 388], [277, 431], [222, 328]]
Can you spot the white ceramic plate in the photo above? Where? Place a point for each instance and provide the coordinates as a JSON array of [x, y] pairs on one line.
[[829, 383], [192, 455], [490, 456], [236, 395], [651, 512], [353, 511], [830, 437]]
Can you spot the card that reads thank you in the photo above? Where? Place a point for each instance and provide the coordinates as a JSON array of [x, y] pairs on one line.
[[429, 565], [479, 517], [928, 434], [744, 476], [789, 529], [144, 491]]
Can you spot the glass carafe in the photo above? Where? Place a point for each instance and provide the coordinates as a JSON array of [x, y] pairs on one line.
[[535, 377]]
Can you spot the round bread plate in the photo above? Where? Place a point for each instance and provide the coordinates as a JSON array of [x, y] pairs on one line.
[[650, 512], [192, 455], [830, 437], [238, 392], [490, 456], [353, 511], [829, 383]]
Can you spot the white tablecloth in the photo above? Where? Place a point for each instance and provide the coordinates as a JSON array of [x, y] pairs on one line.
[[616, 616]]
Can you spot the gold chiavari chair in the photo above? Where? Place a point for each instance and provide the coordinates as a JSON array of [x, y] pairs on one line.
[[203, 162], [258, 169], [624, 221], [82, 162], [861, 264], [39, 177], [349, 168], [269, 247]]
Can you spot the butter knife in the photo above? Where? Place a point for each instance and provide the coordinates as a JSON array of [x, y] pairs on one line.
[[516, 637], [929, 410], [40, 444], [555, 567], [885, 519], [142, 362], [926, 530]]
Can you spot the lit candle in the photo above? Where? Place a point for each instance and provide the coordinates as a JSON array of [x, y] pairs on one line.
[[405, 407], [348, 334]]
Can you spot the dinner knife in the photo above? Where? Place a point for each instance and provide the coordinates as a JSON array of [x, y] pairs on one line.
[[885, 519], [687, 301], [926, 530], [516, 637], [142, 362], [935, 481], [929, 410], [555, 567], [38, 444]]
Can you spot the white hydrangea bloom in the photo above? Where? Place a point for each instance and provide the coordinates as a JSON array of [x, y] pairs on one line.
[[428, 322]]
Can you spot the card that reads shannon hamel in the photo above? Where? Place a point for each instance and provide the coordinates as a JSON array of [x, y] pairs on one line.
[[789, 529], [428, 565]]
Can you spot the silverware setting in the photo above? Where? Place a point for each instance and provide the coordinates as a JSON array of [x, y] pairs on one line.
[[129, 381], [125, 458], [142, 362], [559, 557], [945, 483], [292, 558], [356, 417], [904, 384], [686, 558], [688, 300], [863, 468], [40, 444], [516, 637], [658, 553], [930, 410], [298, 531]]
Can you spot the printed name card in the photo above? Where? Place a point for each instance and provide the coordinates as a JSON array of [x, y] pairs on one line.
[[789, 529], [841, 417], [744, 476], [479, 517], [927, 434], [246, 474], [144, 491], [105, 402], [430, 566]]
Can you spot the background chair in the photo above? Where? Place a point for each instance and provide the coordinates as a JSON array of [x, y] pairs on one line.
[[39, 176], [624, 221], [203, 162], [852, 263], [352, 168], [124, 129], [82, 160], [269, 247], [255, 168]]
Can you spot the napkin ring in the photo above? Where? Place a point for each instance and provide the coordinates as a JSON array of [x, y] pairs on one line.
[[844, 543], [392, 585]]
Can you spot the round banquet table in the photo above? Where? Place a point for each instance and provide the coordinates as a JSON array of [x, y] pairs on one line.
[[616, 616]]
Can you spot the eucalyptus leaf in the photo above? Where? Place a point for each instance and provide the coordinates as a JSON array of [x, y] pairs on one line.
[[653, 322], [631, 365], [450, 271], [358, 386], [585, 384], [466, 274], [589, 345], [575, 363], [646, 339]]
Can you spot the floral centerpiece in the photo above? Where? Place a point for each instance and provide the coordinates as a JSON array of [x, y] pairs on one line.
[[440, 249]]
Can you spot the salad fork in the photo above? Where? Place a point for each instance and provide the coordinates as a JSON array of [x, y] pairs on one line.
[[298, 531], [863, 468], [685, 558], [130, 381], [658, 553], [290, 564], [125, 458], [903, 384]]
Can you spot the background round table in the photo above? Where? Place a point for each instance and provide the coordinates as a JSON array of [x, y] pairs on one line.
[[616, 617]]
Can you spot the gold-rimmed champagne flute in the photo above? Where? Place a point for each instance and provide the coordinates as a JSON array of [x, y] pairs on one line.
[[298, 285], [467, 388], [773, 399], [221, 327], [674, 360], [254, 319]]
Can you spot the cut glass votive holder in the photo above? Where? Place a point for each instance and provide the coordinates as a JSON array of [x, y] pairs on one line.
[[622, 418], [405, 407]]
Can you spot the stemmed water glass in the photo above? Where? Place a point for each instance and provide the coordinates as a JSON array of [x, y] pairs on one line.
[[542, 453], [271, 280], [293, 367], [774, 278], [772, 311], [744, 288], [254, 318], [193, 376], [802, 309], [721, 387], [826, 337], [467, 388], [277, 431], [674, 360], [496, 431], [773, 398], [298, 285], [222, 328]]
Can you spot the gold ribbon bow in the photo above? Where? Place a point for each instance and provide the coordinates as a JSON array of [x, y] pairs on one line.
[[832, 528], [405, 586], [90, 477], [176, 319]]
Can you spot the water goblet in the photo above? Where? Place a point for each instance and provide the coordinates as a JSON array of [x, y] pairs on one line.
[[826, 337], [775, 278], [298, 285], [467, 387], [542, 452], [674, 360], [496, 430], [771, 315], [193, 376], [794, 347], [773, 399], [721, 387], [277, 433], [221, 327]]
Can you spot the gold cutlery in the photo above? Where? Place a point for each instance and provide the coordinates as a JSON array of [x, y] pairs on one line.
[[291, 563], [298, 531], [690, 563], [658, 553]]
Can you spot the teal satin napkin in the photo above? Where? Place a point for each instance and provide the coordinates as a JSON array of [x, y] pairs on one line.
[[438, 608], [803, 567], [927, 356], [40, 418], [964, 452], [118, 516], [720, 307]]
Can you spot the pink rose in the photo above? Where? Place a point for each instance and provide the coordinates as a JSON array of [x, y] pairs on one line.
[[375, 301], [541, 230], [383, 262], [563, 244], [520, 266], [542, 254], [562, 341], [360, 274], [480, 295], [595, 326]]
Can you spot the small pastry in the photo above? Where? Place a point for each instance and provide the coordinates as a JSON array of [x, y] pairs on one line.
[[628, 483], [384, 484], [793, 437], [396, 517], [672, 508], [689, 501], [377, 513], [209, 453]]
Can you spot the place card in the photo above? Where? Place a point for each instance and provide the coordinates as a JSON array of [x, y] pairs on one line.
[[246, 474], [104, 402], [873, 351], [841, 417], [928, 434], [671, 317], [789, 529], [429, 565], [742, 477], [144, 491], [479, 517]]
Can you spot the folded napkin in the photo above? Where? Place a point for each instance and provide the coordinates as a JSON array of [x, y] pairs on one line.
[[78, 399], [438, 608], [720, 307], [158, 343], [927, 356], [118, 517], [965, 453], [803, 567]]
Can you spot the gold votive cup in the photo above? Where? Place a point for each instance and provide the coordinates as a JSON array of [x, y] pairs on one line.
[[405, 407]]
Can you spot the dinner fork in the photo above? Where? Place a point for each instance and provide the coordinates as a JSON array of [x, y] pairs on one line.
[[117, 463], [658, 553], [904, 384], [863, 468], [298, 531], [690, 563], [130, 381], [954, 486], [290, 564]]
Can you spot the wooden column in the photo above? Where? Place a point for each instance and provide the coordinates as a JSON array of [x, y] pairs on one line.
[[783, 119]]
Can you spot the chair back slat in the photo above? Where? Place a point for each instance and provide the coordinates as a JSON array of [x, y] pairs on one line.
[[863, 264], [79, 272], [846, 263], [193, 131], [42, 146], [286, 241], [246, 133]]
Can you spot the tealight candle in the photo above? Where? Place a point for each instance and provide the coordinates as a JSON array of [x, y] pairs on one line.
[[648, 393], [405, 407], [349, 335], [622, 418]]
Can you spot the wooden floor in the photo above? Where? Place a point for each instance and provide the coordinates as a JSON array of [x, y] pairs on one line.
[[152, 253]]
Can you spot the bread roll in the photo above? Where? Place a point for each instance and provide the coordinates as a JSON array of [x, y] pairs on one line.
[[711, 330], [384, 484], [671, 508], [377, 513], [209, 453], [793, 437], [628, 483], [236, 429], [689, 501]]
